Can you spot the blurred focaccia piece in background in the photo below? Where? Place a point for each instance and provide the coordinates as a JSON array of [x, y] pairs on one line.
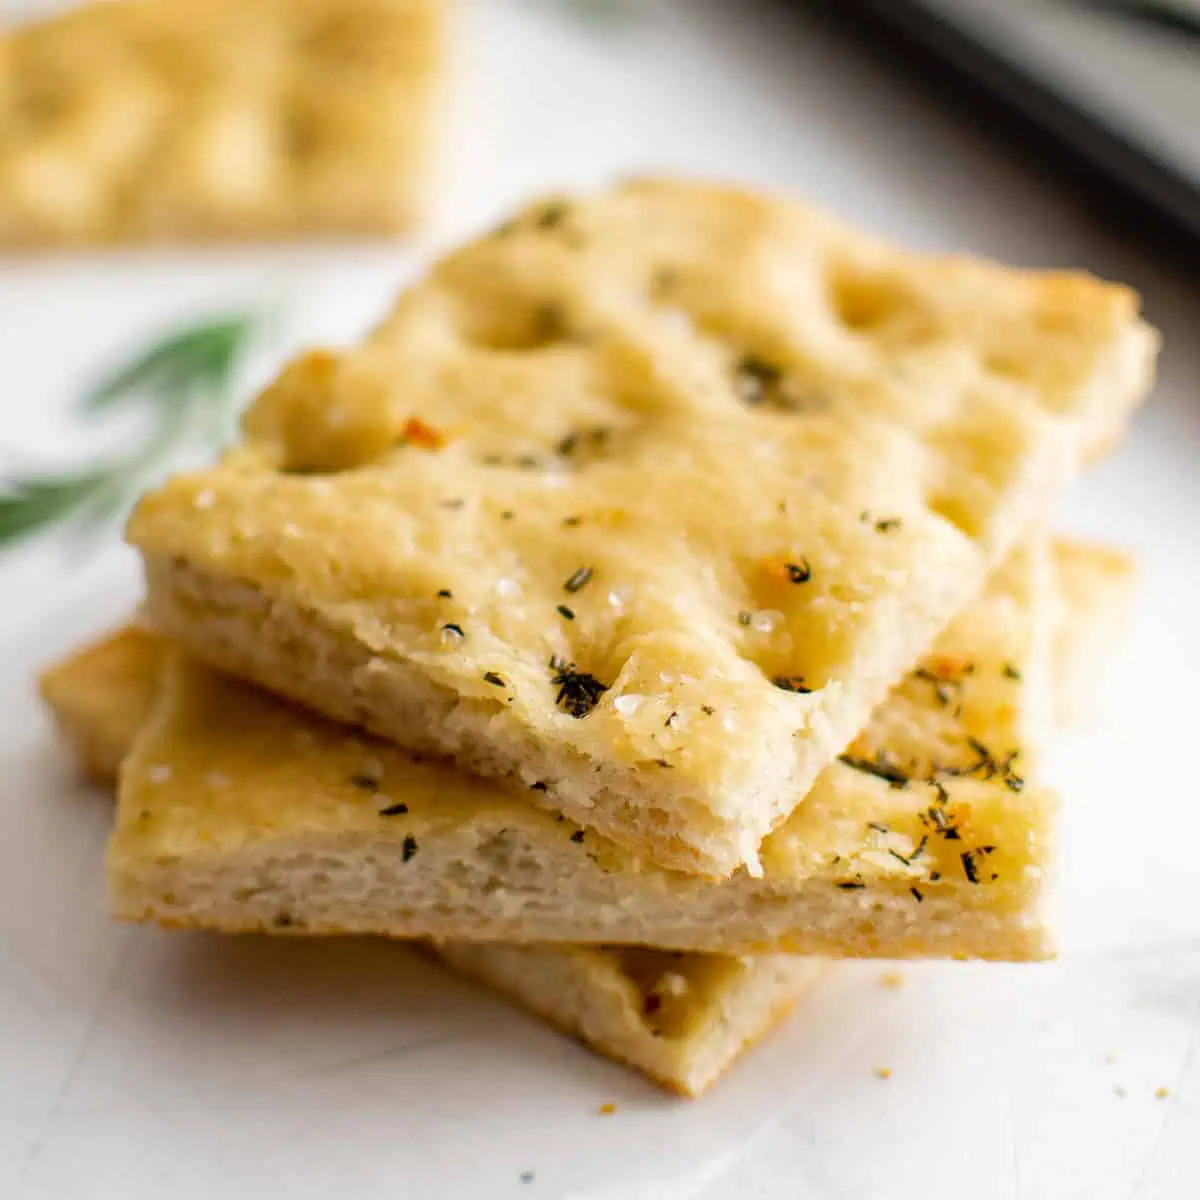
[[170, 120]]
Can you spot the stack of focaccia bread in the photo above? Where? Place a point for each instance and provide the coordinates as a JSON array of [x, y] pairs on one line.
[[656, 604]]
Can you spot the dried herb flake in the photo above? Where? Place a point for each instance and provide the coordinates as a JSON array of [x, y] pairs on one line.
[[579, 579]]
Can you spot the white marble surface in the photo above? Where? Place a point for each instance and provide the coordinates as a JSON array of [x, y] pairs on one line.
[[135, 1064]]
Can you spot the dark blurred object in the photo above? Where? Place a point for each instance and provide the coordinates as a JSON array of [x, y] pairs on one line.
[[1105, 92]]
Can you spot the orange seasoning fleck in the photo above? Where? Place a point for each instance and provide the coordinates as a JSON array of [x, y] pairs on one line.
[[607, 1110], [783, 570], [949, 666], [417, 433]]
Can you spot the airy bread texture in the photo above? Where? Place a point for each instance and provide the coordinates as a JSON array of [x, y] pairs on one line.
[[645, 500], [240, 812], [146, 120]]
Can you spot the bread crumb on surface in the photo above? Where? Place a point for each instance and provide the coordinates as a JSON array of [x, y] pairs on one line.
[[893, 979], [883, 1072], [1162, 1093], [607, 1110]]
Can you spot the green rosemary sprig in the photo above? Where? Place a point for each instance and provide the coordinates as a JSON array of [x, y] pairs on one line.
[[183, 383]]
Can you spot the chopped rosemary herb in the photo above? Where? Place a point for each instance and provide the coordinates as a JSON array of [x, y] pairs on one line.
[[792, 683], [539, 786], [754, 379], [850, 885], [917, 894], [453, 629], [970, 866], [394, 810], [880, 766], [551, 216], [572, 521], [507, 515], [662, 762], [494, 679], [368, 783], [946, 690], [887, 524], [877, 826], [409, 848], [445, 594], [566, 613], [799, 572], [579, 579], [283, 920], [1011, 672], [707, 709], [453, 502], [578, 691], [745, 617], [577, 836]]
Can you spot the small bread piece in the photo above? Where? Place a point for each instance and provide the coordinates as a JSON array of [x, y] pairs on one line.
[[645, 499], [151, 120], [240, 812], [681, 1019], [1095, 598], [102, 695]]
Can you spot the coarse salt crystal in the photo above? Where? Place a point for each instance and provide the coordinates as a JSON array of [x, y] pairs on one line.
[[159, 773], [508, 587], [619, 597], [627, 705], [766, 621]]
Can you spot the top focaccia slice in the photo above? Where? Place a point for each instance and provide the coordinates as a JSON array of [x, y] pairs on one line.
[[167, 119], [646, 498]]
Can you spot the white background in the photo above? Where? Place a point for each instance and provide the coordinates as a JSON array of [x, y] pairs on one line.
[[137, 1064]]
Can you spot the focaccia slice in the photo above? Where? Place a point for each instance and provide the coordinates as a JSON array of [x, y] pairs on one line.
[[644, 499], [242, 812], [170, 119]]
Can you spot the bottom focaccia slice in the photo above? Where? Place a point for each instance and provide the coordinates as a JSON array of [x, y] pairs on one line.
[[681, 1019], [241, 812]]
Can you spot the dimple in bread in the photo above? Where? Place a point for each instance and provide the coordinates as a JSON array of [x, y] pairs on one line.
[[644, 500], [169, 119], [240, 812]]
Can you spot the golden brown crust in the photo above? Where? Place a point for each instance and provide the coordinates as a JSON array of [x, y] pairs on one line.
[[495, 529], [151, 120]]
